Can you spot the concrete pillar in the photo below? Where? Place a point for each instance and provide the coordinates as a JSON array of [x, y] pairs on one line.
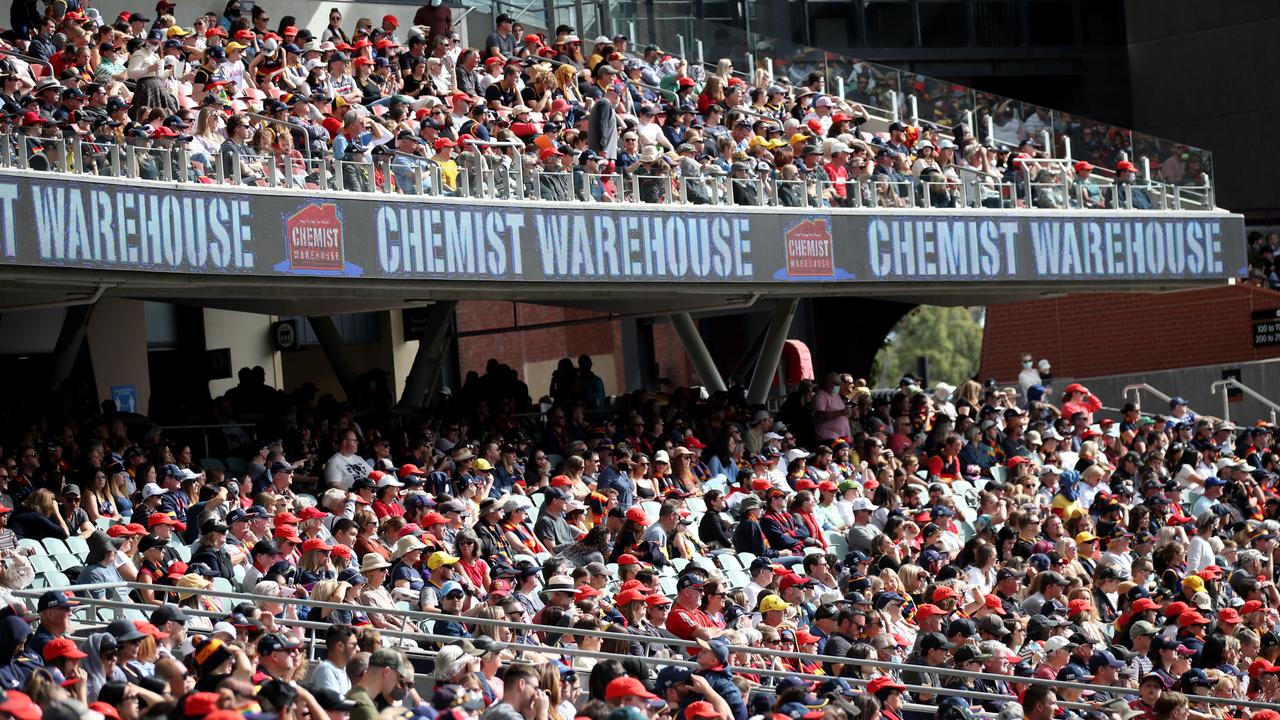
[[687, 329], [336, 353], [75, 325], [248, 336], [432, 352], [771, 352], [117, 337]]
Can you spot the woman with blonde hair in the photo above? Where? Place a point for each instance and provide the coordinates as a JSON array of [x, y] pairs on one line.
[[98, 500], [567, 84], [39, 518], [724, 70], [331, 591], [549, 679]]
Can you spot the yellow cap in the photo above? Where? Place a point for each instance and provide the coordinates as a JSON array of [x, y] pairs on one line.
[[799, 137], [1085, 537], [176, 31], [1194, 582], [232, 46], [439, 558], [773, 602], [482, 465]]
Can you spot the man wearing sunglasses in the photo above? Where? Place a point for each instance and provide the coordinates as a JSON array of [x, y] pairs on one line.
[[278, 657]]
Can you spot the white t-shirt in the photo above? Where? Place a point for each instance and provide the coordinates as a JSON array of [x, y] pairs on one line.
[[341, 471]]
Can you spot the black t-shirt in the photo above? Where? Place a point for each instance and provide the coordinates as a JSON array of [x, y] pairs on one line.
[[504, 96], [203, 77]]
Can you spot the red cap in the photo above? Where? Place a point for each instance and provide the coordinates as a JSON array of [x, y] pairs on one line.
[[155, 519], [628, 596], [1192, 617], [761, 483], [316, 543], [362, 60], [177, 569], [879, 683], [1082, 166], [694, 443], [390, 20], [20, 706], [343, 551], [828, 486], [791, 581], [628, 559], [1077, 606], [805, 484], [409, 469], [943, 592], [289, 30], [626, 686], [704, 709], [1229, 616], [1175, 609], [1210, 572], [147, 628], [656, 600], [805, 638], [288, 534], [1143, 605], [287, 518], [928, 610], [245, 35], [584, 592], [1251, 606], [1126, 166], [434, 518], [459, 96], [199, 704], [636, 514], [63, 647], [164, 132], [215, 31], [110, 712], [495, 60], [994, 604], [500, 588], [116, 531], [310, 513], [561, 481], [1076, 387], [31, 117], [548, 152], [443, 142]]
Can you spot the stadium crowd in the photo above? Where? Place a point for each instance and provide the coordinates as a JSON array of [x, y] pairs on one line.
[[557, 117], [1015, 531]]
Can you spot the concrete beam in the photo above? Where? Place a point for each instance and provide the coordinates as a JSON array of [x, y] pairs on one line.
[[771, 352], [691, 339]]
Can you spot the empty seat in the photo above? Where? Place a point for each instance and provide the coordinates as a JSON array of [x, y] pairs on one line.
[[78, 546], [55, 546]]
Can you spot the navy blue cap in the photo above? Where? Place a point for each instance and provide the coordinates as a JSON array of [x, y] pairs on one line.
[[236, 516], [257, 511], [1073, 673], [671, 676], [281, 466], [1103, 658], [1176, 400]]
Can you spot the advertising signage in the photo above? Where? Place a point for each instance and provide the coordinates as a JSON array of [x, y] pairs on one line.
[[99, 224]]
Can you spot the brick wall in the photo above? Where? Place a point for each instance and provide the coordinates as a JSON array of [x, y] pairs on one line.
[[1111, 334]]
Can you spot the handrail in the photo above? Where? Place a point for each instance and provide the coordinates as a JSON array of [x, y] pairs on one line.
[[575, 652], [1139, 387], [419, 614], [1226, 400]]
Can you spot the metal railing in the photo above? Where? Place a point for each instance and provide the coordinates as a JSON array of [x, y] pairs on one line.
[[417, 615], [505, 176], [1225, 385], [1138, 388]]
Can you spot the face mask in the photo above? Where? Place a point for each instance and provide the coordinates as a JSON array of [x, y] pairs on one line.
[[1026, 363]]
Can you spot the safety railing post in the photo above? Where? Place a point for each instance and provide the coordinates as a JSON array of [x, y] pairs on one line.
[[271, 174], [914, 104], [237, 170], [24, 153], [1047, 139], [339, 179], [464, 183], [893, 99], [840, 87], [991, 129], [1066, 147], [77, 155]]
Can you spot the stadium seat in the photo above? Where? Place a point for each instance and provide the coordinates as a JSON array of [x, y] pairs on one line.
[[42, 564], [33, 544], [183, 551], [838, 544], [651, 509], [998, 473], [696, 505], [103, 523], [667, 585], [746, 559], [65, 561], [737, 578], [680, 564], [55, 546], [78, 546], [729, 562], [237, 573], [222, 584]]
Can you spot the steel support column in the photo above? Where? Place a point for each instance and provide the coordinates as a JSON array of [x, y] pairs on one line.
[[331, 343], [428, 363], [75, 325], [691, 339], [771, 353]]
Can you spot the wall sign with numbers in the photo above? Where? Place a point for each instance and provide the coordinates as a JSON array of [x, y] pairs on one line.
[[1266, 327]]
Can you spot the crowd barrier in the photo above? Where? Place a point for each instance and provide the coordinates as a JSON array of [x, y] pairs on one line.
[[120, 609]]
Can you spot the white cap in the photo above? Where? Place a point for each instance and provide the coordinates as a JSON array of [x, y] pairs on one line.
[[1057, 642], [662, 457], [796, 454], [943, 388], [860, 504], [1043, 365], [225, 628], [151, 490], [772, 436], [389, 481], [1050, 470]]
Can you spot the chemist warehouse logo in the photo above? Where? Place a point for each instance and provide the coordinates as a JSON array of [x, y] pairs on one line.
[[313, 243], [810, 252]]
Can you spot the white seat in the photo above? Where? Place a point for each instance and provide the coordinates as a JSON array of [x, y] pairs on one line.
[[746, 559], [680, 564], [33, 544], [729, 562], [78, 546], [183, 551], [696, 506], [651, 509], [737, 578]]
